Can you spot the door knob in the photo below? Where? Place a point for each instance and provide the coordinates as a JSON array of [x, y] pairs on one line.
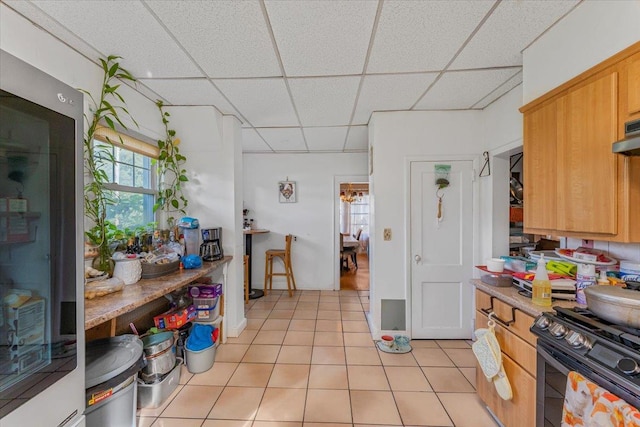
[[417, 258]]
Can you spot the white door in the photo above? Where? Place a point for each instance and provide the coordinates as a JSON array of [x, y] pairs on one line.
[[441, 251]]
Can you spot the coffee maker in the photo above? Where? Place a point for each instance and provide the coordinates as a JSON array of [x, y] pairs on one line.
[[211, 247]]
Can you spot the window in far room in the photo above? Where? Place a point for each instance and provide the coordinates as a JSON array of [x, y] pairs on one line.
[[131, 172]]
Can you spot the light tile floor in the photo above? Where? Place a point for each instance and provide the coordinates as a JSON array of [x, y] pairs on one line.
[[310, 361]]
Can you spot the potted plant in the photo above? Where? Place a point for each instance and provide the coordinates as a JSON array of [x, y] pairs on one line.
[[97, 198], [171, 173]]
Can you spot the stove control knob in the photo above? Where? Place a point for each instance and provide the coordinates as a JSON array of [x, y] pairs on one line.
[[558, 330], [628, 366], [543, 322], [577, 340]]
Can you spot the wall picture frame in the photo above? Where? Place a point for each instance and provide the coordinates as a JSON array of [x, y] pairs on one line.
[[287, 191]]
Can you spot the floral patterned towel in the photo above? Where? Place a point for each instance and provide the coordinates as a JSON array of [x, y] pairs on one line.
[[588, 405]]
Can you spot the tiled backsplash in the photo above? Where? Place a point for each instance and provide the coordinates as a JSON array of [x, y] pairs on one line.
[[619, 251]]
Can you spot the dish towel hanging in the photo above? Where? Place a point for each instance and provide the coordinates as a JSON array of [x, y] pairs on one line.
[[588, 405], [487, 351]]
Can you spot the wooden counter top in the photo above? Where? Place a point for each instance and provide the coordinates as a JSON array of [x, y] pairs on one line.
[[108, 307], [511, 296]]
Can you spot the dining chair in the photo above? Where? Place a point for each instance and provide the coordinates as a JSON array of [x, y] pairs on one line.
[[346, 253], [285, 256]]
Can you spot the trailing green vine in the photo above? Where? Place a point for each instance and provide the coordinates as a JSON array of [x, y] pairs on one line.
[[97, 198], [170, 170]]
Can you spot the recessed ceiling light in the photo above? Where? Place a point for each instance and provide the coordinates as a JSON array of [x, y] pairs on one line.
[[149, 74]]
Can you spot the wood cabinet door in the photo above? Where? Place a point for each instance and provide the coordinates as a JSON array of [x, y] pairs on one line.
[[633, 85], [539, 168], [587, 169], [520, 411]]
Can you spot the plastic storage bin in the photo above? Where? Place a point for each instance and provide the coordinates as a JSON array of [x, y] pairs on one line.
[[207, 309], [154, 395]]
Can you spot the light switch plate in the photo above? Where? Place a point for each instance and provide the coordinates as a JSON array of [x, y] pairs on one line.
[[387, 234]]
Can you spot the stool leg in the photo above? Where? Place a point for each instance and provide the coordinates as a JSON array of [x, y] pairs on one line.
[[293, 279], [246, 279]]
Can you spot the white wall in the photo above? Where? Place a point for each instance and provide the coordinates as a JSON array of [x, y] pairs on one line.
[[396, 137], [591, 33], [213, 148], [310, 219]]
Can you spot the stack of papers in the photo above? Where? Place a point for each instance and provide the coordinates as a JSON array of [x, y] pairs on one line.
[[560, 288]]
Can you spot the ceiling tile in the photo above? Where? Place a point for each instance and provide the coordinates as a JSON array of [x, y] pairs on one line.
[[324, 101], [318, 38], [35, 14], [251, 141], [459, 90], [390, 92], [510, 28], [326, 138], [504, 88], [113, 28], [264, 102], [358, 138], [227, 38], [189, 92], [284, 139], [423, 36]]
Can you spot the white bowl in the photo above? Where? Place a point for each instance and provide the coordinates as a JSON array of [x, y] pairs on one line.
[[495, 265]]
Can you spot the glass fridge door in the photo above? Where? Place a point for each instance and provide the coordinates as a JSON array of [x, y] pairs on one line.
[[37, 249]]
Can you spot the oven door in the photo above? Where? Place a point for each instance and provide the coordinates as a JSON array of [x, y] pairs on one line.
[[553, 367]]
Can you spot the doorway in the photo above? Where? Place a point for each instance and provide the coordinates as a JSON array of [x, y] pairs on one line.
[[351, 227], [354, 228]]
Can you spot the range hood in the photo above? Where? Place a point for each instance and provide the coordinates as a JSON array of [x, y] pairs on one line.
[[630, 145]]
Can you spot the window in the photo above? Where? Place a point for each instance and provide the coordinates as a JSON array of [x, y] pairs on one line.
[[132, 177]]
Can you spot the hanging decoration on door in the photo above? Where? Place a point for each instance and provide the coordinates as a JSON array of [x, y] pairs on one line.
[[442, 182]]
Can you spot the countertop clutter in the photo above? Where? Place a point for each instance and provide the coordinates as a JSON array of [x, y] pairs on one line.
[[511, 296], [108, 307]]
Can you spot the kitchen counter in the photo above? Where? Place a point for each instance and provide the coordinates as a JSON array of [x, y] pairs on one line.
[[510, 296], [108, 307]]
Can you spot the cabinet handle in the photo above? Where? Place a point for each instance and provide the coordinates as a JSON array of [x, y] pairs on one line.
[[489, 312]]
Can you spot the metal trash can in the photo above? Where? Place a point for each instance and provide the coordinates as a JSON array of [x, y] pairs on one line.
[[112, 365]]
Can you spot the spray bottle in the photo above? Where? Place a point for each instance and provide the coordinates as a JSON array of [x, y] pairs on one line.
[[541, 285]]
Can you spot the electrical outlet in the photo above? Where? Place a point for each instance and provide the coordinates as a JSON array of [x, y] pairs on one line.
[[295, 238], [387, 234], [587, 243]]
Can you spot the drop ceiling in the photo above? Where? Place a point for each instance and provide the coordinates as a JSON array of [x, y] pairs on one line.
[[305, 76]]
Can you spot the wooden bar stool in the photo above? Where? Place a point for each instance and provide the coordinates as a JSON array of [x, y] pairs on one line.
[[246, 279], [285, 255]]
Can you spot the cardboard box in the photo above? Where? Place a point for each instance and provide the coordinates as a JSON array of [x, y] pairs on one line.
[[26, 327], [14, 205], [14, 228], [205, 291], [174, 319]]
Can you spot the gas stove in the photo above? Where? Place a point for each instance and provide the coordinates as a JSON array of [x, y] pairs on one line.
[[612, 351]]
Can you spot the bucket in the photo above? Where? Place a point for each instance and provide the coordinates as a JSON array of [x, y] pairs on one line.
[[199, 361]]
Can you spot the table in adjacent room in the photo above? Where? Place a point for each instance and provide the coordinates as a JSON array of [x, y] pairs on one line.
[[248, 234]]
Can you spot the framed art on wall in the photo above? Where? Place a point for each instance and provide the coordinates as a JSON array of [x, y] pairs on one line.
[[287, 191]]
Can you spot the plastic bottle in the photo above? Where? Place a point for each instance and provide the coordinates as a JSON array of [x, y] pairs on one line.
[[541, 285]]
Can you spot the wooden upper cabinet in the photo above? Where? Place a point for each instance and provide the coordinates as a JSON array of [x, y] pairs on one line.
[[539, 168], [587, 169], [631, 82]]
